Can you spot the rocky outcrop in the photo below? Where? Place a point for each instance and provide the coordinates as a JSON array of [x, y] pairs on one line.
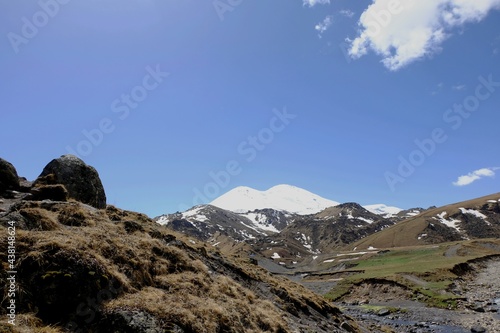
[[52, 192], [9, 180], [80, 180]]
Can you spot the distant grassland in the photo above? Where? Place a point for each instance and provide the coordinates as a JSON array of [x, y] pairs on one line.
[[401, 261]]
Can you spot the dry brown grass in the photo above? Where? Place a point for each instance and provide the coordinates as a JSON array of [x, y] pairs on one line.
[[28, 323], [203, 303]]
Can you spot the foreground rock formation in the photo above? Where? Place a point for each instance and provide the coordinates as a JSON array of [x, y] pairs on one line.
[[9, 180], [80, 180]]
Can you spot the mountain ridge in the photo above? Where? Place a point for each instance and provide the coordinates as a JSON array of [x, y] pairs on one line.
[[284, 197]]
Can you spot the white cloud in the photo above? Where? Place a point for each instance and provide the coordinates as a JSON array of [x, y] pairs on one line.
[[347, 13], [475, 175], [402, 31], [324, 25], [312, 3], [459, 87], [438, 89]]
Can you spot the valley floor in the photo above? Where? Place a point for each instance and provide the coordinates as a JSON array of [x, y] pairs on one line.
[[383, 306], [480, 292]]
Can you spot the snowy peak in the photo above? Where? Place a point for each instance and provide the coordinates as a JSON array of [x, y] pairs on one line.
[[384, 210], [281, 197]]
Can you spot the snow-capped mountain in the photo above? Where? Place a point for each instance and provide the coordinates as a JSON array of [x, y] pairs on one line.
[[287, 198]]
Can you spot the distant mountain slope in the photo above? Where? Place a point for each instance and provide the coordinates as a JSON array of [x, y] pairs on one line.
[[477, 218], [323, 232], [223, 228], [281, 197], [207, 222]]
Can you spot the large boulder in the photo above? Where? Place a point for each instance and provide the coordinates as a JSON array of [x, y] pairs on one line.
[[80, 180], [9, 180]]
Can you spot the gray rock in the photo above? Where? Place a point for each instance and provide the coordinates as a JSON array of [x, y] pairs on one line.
[[9, 180], [477, 308], [126, 321], [383, 312], [478, 329], [80, 180]]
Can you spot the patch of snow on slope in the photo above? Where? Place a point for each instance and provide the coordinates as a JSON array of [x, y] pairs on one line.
[[472, 212], [275, 256], [303, 239], [253, 228], [350, 217], [369, 221], [306, 242], [449, 223], [413, 213], [475, 213], [163, 220], [194, 214], [260, 221]]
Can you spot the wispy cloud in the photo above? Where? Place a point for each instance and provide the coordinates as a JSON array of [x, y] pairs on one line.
[[405, 31], [312, 3], [475, 175], [438, 88], [496, 46], [459, 87], [347, 13], [324, 25]]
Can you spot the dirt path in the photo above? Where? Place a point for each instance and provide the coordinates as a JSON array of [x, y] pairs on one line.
[[452, 251]]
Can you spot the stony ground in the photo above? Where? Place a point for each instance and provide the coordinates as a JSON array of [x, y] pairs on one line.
[[483, 297], [479, 312]]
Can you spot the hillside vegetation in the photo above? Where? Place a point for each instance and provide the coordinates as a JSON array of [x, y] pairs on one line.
[[84, 269]]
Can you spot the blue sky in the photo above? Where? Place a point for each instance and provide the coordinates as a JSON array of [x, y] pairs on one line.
[[176, 102]]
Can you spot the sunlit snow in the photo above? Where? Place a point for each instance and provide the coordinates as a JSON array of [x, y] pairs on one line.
[[452, 223]]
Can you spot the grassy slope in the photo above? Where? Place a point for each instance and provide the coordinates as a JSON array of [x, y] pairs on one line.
[[427, 271], [406, 233]]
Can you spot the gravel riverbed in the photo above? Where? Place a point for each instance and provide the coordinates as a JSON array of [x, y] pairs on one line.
[[478, 312]]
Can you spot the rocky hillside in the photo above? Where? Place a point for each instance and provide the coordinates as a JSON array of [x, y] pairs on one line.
[[323, 232], [216, 225], [472, 219], [82, 268]]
